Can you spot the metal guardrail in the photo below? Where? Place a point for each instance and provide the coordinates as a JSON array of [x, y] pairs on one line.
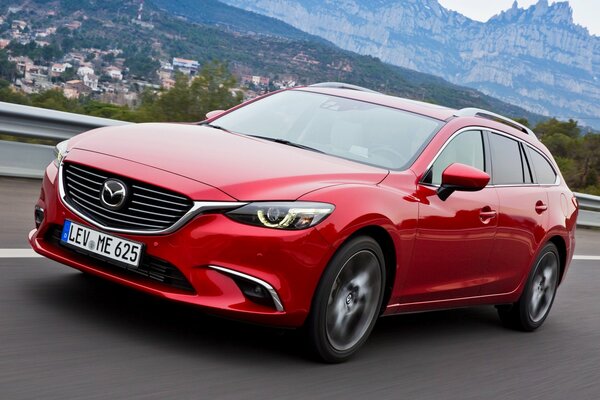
[[26, 121], [30, 160], [24, 160], [589, 210]]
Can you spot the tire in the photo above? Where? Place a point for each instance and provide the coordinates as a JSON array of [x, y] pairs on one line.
[[347, 301], [533, 307]]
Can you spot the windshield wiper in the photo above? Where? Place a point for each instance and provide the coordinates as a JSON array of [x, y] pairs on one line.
[[214, 126], [287, 143]]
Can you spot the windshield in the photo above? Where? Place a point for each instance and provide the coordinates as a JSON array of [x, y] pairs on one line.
[[352, 129]]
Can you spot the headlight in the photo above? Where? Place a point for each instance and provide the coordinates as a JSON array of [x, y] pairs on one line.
[[60, 151], [291, 215]]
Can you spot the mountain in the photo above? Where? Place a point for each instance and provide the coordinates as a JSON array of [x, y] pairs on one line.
[[213, 12], [535, 57]]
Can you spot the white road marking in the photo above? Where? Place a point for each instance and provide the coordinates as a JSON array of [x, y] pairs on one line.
[[18, 253], [29, 253], [586, 258]]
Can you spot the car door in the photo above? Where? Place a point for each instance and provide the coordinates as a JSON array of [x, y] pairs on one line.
[[522, 213], [454, 237]]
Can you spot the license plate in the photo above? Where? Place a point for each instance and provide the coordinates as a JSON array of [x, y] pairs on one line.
[[101, 244]]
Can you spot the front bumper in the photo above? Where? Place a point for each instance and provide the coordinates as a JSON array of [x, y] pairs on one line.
[[211, 252]]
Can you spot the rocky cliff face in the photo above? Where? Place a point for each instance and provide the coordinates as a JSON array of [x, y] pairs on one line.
[[536, 57]]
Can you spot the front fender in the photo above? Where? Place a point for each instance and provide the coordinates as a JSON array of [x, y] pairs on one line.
[[363, 206]]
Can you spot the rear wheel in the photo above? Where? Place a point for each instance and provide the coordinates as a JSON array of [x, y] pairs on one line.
[[533, 307], [347, 300]]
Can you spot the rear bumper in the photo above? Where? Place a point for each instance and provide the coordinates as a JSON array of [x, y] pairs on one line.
[[211, 252]]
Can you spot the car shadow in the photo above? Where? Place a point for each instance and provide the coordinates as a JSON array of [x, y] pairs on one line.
[[188, 329]]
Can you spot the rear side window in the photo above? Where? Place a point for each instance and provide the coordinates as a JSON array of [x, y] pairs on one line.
[[509, 165], [543, 170], [465, 148]]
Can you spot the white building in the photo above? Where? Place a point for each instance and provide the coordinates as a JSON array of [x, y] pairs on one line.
[[183, 63], [59, 68], [114, 73], [82, 71], [91, 81]]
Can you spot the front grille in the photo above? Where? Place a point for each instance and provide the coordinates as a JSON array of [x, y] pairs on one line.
[[151, 268], [147, 208]]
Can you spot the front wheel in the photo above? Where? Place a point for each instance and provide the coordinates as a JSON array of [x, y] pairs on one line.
[[532, 308], [347, 300]]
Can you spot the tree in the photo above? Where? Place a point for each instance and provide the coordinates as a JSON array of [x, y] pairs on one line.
[[577, 156], [190, 101], [552, 125], [8, 70], [213, 87], [141, 65], [54, 99]]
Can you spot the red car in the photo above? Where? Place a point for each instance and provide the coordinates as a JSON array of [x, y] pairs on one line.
[[320, 207]]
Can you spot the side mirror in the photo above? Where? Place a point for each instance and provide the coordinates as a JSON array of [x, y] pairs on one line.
[[214, 113], [463, 178]]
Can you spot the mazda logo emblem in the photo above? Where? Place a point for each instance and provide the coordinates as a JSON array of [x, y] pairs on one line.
[[113, 194]]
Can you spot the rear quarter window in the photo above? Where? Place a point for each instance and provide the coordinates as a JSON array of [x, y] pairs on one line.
[[543, 169], [508, 167]]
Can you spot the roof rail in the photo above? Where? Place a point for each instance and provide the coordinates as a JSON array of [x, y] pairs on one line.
[[478, 112], [341, 85]]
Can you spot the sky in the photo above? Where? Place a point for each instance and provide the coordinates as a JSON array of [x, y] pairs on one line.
[[585, 12]]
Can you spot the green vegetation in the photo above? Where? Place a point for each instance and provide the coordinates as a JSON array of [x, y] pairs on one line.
[[210, 90], [577, 155], [187, 101], [35, 52]]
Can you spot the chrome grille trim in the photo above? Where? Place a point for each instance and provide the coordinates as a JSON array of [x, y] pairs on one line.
[[152, 205], [160, 193], [99, 210], [73, 187], [81, 184], [149, 212], [78, 201], [89, 172], [138, 228], [87, 179], [157, 199]]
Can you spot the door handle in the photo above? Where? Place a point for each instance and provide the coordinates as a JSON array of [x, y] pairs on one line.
[[540, 207], [487, 214]]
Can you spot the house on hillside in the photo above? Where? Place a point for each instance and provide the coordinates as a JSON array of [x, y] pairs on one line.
[[82, 71], [91, 81], [114, 73], [18, 24], [188, 67], [75, 88]]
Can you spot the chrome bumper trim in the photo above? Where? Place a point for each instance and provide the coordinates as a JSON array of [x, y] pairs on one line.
[[269, 288]]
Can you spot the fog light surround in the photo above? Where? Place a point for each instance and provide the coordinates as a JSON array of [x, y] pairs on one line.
[[38, 216], [254, 289]]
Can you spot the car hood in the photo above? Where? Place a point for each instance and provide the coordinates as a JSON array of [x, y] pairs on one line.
[[245, 168]]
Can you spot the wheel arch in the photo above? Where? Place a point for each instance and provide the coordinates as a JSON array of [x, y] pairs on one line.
[[385, 241], [561, 245]]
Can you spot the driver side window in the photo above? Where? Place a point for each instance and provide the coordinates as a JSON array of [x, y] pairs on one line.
[[466, 148]]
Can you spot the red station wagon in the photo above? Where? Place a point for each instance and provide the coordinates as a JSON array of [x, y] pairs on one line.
[[320, 207]]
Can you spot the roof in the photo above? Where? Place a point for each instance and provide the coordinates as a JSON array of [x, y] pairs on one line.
[[185, 60]]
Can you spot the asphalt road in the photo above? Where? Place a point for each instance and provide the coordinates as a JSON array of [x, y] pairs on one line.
[[64, 335]]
